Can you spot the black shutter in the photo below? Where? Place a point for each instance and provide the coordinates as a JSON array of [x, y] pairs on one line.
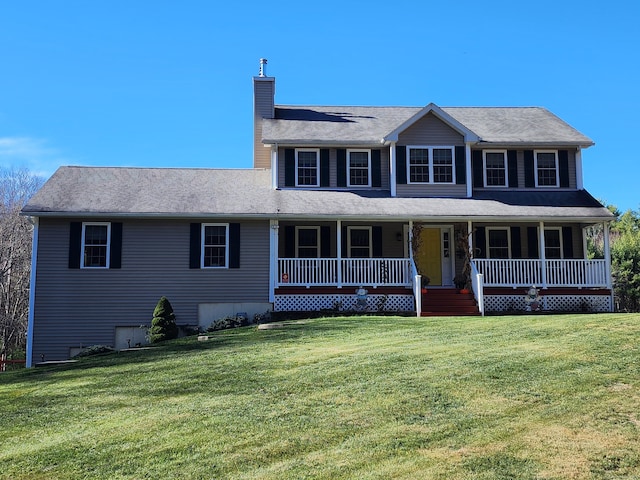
[[195, 245], [234, 245], [325, 241], [480, 245], [532, 240], [401, 165], [289, 167], [567, 242], [324, 167], [345, 248], [512, 165], [461, 165], [516, 244], [341, 162], [115, 255], [529, 173], [477, 167], [376, 240], [376, 169], [563, 161], [289, 241], [75, 244]]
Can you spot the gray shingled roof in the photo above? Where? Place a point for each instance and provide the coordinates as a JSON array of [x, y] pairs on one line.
[[191, 193], [370, 125]]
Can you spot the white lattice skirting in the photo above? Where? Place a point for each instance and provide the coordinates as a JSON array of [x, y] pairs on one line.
[[314, 303], [555, 303]]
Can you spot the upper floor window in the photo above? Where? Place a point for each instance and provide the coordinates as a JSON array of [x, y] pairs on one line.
[[359, 163], [96, 245], [430, 164], [215, 240], [359, 242], [546, 168], [498, 242], [307, 167], [495, 168], [308, 242]]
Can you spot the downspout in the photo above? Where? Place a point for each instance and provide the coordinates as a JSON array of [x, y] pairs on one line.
[[273, 255], [392, 168], [339, 250], [579, 179], [468, 171], [274, 166], [32, 289]]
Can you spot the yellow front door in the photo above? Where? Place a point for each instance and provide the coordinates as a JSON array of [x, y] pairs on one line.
[[429, 256]]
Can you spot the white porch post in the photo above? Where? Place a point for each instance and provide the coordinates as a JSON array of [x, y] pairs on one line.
[[392, 168], [339, 250], [470, 237], [607, 254], [410, 239], [543, 257], [274, 166]]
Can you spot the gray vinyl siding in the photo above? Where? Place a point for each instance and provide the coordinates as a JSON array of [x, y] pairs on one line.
[[333, 168], [430, 130], [81, 307], [431, 190]]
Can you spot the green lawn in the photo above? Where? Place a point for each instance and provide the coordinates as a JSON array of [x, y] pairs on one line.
[[521, 397]]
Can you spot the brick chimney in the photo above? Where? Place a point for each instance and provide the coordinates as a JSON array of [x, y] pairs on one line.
[[264, 90]]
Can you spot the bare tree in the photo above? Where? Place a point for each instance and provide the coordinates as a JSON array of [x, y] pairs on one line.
[[16, 187]]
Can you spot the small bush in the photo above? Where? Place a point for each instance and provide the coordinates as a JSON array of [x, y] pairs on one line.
[[94, 350], [163, 324]]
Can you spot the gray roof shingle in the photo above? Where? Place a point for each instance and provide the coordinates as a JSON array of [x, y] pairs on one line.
[[197, 193], [370, 125]]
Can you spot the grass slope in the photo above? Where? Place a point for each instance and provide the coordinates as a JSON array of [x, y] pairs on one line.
[[526, 397]]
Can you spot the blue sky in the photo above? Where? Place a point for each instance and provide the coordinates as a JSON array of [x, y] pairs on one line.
[[168, 84]]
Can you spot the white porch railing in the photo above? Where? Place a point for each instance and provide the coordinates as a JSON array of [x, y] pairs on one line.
[[543, 273], [477, 284], [345, 272]]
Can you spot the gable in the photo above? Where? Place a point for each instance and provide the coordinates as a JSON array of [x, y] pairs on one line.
[[430, 130]]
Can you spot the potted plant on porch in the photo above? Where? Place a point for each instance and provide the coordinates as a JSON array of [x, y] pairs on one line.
[[425, 282], [462, 280]]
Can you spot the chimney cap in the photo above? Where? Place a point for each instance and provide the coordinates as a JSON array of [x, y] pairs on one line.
[[263, 63]]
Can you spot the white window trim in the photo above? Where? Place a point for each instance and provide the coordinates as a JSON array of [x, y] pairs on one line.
[[535, 168], [559, 229], [317, 152], [318, 248], [431, 148], [349, 246], [488, 244], [108, 255], [226, 244], [484, 168], [368, 152]]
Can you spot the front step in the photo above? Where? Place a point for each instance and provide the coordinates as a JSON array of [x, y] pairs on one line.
[[439, 302]]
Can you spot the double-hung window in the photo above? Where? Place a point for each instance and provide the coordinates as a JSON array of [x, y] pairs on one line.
[[96, 245], [359, 242], [359, 162], [307, 242], [495, 168], [307, 167], [430, 164], [553, 243], [215, 241], [498, 242], [546, 168]]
